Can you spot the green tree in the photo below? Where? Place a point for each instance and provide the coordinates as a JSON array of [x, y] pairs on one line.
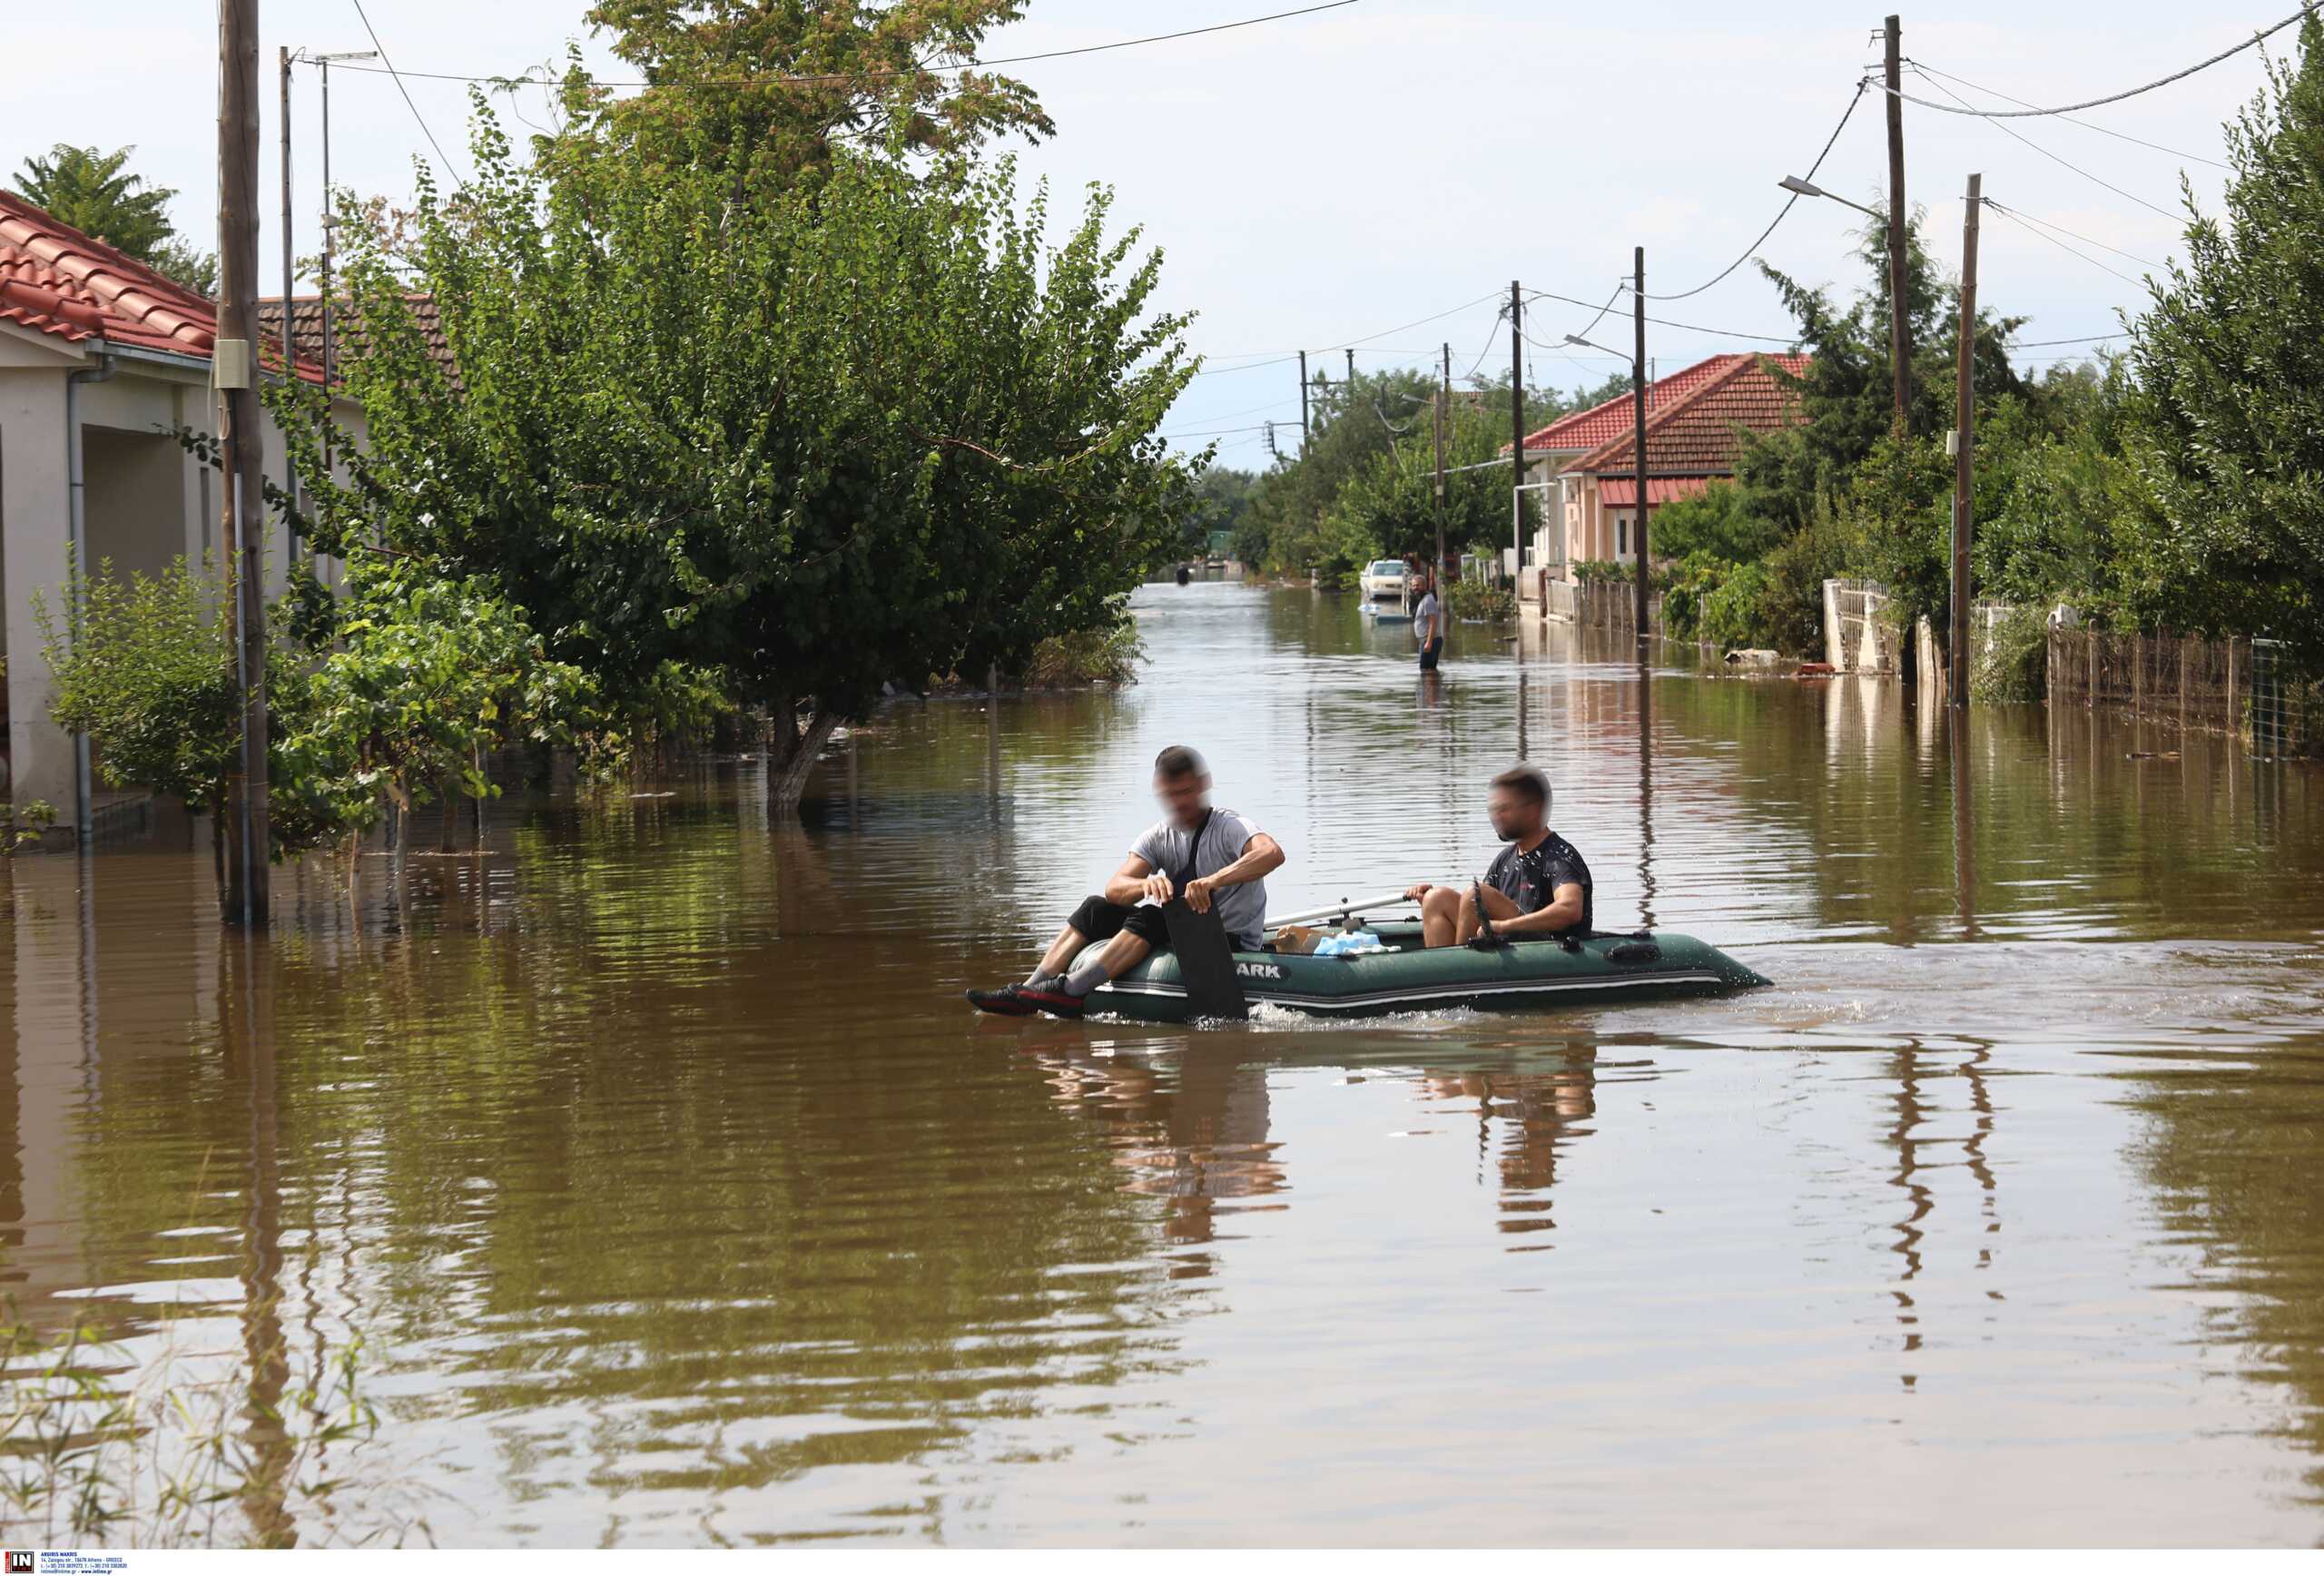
[[96, 194], [819, 443], [777, 90], [1718, 522], [2227, 425]]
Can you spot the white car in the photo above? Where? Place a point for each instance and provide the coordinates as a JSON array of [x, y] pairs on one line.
[[1383, 580]]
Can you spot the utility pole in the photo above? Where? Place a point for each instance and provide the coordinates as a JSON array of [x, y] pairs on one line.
[[1900, 342], [1303, 405], [290, 342], [1638, 436], [240, 452], [1443, 419], [1351, 374], [1517, 429], [1965, 396]]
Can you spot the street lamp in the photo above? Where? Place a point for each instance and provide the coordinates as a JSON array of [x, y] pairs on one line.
[[1800, 188]]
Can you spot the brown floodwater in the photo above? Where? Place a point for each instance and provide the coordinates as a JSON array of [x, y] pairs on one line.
[[675, 1196]]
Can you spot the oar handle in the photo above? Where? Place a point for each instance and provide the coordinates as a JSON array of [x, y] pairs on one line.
[[1338, 910]]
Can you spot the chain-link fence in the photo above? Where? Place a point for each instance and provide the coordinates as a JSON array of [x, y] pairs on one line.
[[2238, 687]]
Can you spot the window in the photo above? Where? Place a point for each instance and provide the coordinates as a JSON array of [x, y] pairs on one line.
[[1621, 537]]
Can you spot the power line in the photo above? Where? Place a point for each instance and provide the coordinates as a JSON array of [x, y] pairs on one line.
[[1780, 214], [769, 78], [2082, 340], [2062, 246], [452, 168], [1668, 323], [2070, 120], [2174, 218], [1251, 367], [2110, 98], [2086, 241]]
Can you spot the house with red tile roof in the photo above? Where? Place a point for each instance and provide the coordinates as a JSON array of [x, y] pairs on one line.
[[102, 361], [1697, 421]]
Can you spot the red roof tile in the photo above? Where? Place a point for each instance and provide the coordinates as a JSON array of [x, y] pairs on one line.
[[346, 329], [1582, 430], [1620, 492], [56, 281], [1700, 432]]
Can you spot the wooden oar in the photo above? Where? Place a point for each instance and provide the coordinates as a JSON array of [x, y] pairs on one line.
[[1205, 962], [1341, 910]]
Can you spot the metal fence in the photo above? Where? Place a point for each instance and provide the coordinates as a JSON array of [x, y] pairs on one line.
[[2238, 686]]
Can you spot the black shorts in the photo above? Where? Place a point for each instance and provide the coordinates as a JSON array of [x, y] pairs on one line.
[[1100, 921], [1428, 654]]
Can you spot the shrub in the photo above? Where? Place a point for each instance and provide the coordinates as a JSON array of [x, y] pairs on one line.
[[1732, 611], [1480, 602], [2013, 668], [1094, 657]]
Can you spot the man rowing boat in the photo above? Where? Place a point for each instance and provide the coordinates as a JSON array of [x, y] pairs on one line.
[[1215, 859], [1536, 887]]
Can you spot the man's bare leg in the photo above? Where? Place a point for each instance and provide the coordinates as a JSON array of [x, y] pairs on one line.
[[1060, 955], [1121, 955], [1440, 916], [1497, 905]]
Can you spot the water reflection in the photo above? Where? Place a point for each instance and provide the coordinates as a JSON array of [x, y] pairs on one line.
[[646, 1142]]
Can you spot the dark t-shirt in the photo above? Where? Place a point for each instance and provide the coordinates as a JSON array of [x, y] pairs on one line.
[[1531, 881]]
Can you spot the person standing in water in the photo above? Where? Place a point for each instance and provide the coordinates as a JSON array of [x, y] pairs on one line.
[[1428, 623]]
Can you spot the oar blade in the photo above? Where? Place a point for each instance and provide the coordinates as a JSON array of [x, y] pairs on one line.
[[1205, 963]]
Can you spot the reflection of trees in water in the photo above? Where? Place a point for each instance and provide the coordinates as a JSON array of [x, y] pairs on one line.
[[603, 1173], [2229, 1146]]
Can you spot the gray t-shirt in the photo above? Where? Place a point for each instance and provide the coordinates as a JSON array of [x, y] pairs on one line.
[[1425, 625], [1243, 909]]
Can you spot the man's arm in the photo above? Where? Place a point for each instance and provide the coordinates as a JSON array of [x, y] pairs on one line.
[[1564, 909], [1261, 854], [1137, 879]]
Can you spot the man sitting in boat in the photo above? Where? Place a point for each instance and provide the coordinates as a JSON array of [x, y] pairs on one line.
[[1212, 858], [1538, 888]]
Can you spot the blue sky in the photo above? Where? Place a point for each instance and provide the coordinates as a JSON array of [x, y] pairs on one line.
[[1323, 179]]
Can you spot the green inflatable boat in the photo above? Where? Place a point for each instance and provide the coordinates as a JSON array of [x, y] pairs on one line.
[[1407, 978]]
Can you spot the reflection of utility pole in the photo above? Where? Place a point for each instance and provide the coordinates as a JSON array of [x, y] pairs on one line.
[[248, 1032]]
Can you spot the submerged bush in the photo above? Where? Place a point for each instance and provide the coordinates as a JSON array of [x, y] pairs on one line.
[[1481, 602], [2013, 668]]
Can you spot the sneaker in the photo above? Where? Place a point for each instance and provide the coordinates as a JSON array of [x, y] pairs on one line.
[[1058, 1003], [1009, 1002]]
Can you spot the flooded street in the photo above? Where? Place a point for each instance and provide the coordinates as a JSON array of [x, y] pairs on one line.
[[676, 1195]]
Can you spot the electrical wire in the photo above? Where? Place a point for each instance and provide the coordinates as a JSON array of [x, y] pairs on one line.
[[2263, 34], [1781, 214], [1620, 287], [2062, 246], [768, 78], [451, 168], [2086, 241], [1251, 367], [2082, 340], [1668, 323], [1490, 335], [2088, 125], [2055, 158]]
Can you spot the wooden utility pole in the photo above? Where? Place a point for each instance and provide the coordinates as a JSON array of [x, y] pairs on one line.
[[1303, 405], [289, 338], [1638, 434], [1351, 374], [1965, 396], [240, 452], [1516, 430], [1900, 339], [1443, 416]]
